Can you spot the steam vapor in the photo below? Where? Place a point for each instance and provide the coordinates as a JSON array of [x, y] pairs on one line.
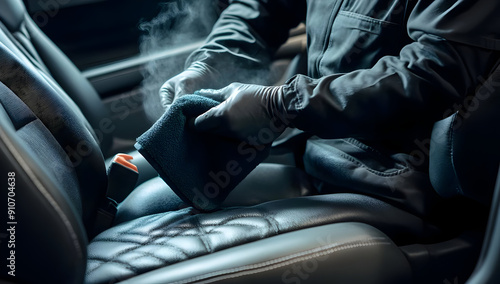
[[179, 23]]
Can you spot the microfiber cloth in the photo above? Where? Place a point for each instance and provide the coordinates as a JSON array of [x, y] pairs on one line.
[[201, 168]]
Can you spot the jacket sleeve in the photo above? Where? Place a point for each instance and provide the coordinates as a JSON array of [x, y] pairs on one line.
[[419, 86], [246, 35]]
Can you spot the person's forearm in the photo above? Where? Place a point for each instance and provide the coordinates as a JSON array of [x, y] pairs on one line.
[[414, 88], [246, 36]]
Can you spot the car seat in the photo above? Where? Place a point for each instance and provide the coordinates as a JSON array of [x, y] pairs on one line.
[[337, 237], [346, 237]]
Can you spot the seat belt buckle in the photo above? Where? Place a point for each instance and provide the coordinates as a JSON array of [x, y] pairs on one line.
[[105, 216], [122, 177]]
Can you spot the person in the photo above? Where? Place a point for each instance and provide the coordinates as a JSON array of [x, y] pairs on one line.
[[380, 73]]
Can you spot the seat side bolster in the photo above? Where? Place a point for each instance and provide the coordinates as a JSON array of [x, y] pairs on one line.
[[69, 77], [50, 240]]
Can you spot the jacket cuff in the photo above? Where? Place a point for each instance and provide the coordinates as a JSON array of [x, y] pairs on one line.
[[295, 98]]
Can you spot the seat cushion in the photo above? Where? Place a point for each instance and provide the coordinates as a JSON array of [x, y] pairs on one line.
[[265, 183], [159, 240], [321, 255]]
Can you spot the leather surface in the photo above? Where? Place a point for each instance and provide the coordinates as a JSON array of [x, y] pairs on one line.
[[67, 125], [12, 13], [155, 241], [44, 53], [50, 240], [464, 152], [151, 197], [327, 254], [74, 84], [267, 182], [348, 165]]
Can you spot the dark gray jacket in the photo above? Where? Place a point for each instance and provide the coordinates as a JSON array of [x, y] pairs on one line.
[[381, 71], [375, 66]]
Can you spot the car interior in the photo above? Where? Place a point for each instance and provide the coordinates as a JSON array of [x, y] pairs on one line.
[[73, 95]]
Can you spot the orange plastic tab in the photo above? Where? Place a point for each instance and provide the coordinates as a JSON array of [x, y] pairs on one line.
[[123, 159]]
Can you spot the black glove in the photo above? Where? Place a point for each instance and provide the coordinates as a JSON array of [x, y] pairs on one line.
[[198, 75], [252, 113]]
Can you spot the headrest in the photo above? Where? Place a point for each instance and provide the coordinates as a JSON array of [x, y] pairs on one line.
[[12, 13], [465, 147]]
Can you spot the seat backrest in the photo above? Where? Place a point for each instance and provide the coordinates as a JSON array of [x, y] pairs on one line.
[[465, 147], [35, 45], [63, 119], [57, 174]]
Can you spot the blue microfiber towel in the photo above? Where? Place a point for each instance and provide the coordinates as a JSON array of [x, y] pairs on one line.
[[202, 168]]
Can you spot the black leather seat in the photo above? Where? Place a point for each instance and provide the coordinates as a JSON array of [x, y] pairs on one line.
[[347, 238], [59, 201]]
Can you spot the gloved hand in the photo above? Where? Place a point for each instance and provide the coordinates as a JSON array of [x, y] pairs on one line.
[[251, 113], [198, 75]]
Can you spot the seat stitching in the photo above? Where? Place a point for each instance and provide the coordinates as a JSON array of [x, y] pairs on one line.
[[202, 236], [271, 221], [164, 260], [183, 252], [452, 156], [230, 225], [191, 226], [381, 174], [142, 244], [117, 241], [258, 215], [165, 243], [139, 244], [284, 261], [234, 225], [234, 217], [359, 145], [124, 264], [113, 259], [152, 239], [121, 253]]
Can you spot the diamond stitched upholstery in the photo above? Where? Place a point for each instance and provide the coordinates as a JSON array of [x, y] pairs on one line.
[[156, 241], [163, 239]]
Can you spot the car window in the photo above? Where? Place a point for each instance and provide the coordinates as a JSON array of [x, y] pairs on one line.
[[96, 32]]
